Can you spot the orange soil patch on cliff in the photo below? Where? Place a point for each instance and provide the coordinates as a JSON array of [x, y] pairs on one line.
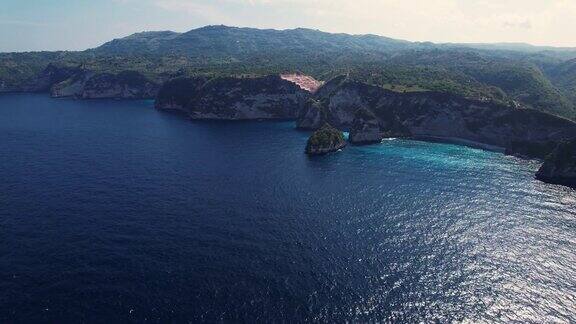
[[305, 82]]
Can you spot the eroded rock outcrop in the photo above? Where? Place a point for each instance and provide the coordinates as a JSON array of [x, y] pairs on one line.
[[269, 97], [338, 103], [124, 85], [176, 94], [312, 116], [440, 115], [305, 82], [560, 166], [89, 85], [81, 83], [52, 75], [365, 128], [71, 87], [325, 140]]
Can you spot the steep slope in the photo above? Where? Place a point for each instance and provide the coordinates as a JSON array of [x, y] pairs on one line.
[[563, 75], [29, 71], [560, 166], [433, 114], [86, 84], [269, 97], [517, 79]]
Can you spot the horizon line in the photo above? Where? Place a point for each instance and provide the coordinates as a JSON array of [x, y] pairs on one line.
[[505, 43]]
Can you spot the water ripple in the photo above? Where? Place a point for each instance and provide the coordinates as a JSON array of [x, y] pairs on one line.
[[114, 212]]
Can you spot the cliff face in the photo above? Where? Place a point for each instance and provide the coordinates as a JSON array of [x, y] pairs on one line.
[[124, 85], [52, 75], [431, 114], [268, 97], [71, 87], [77, 82], [560, 166], [305, 82], [365, 128], [42, 82], [312, 116], [88, 85], [325, 140], [337, 102], [175, 95]]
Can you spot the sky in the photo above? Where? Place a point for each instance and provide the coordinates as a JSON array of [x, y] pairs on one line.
[[32, 25]]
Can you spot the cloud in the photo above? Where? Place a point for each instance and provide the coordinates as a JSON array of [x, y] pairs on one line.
[[526, 24]]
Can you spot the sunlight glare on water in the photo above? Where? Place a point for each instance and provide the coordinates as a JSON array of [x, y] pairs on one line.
[[112, 211]]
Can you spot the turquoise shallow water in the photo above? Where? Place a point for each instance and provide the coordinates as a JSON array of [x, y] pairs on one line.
[[113, 212]]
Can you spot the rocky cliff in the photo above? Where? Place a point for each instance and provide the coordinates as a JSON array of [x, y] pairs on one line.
[[81, 83], [41, 81], [433, 114], [88, 85], [365, 128], [176, 94], [269, 97], [368, 112], [313, 115], [560, 166], [325, 140], [52, 75]]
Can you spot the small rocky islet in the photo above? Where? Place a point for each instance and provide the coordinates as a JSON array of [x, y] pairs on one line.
[[325, 140]]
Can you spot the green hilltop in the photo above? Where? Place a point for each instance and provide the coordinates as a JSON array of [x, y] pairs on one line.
[[528, 76]]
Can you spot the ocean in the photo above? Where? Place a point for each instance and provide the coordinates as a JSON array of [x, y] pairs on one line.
[[111, 211]]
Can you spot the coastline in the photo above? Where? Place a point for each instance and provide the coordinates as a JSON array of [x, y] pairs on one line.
[[423, 138], [459, 141]]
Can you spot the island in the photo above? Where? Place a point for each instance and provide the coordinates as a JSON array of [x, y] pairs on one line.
[[372, 87], [325, 140]]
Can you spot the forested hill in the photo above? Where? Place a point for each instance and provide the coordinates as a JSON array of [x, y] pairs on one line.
[[223, 41], [236, 42], [542, 78]]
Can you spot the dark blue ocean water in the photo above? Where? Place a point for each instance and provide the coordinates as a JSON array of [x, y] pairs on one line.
[[113, 212]]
